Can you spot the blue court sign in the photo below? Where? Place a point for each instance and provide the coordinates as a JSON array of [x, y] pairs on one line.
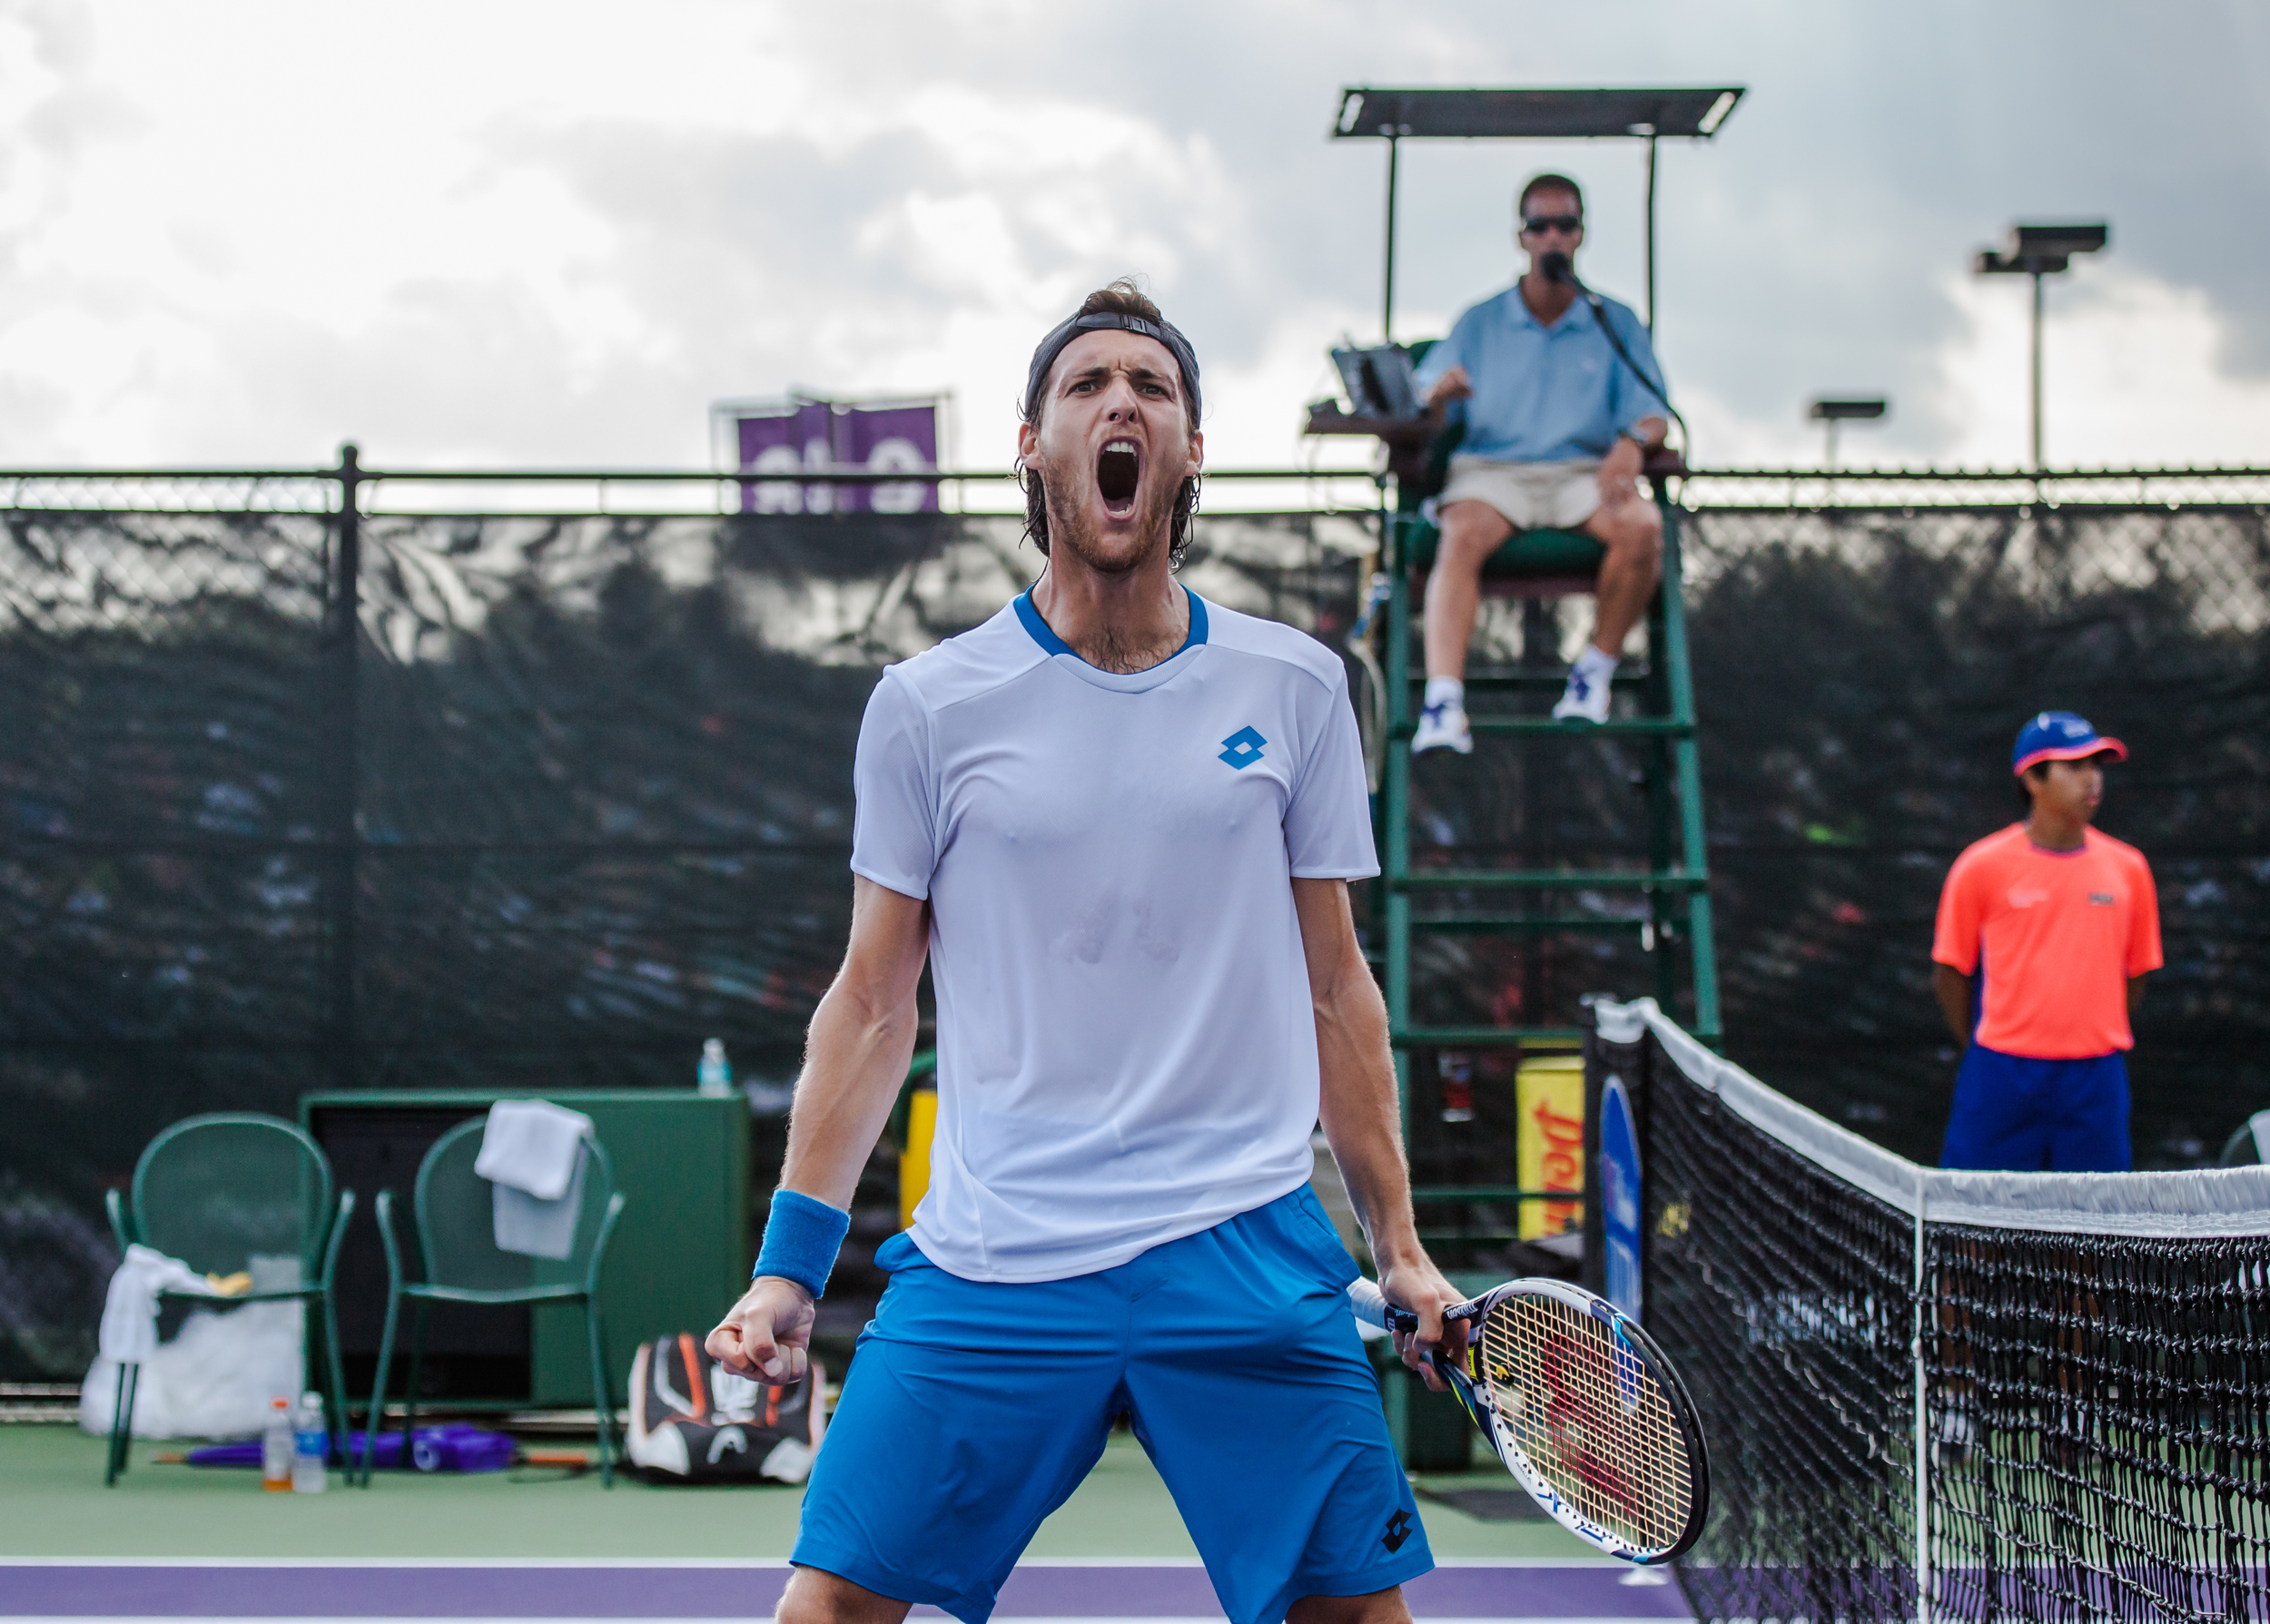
[[1620, 1196]]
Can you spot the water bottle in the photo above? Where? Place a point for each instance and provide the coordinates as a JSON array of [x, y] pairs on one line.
[[276, 1447], [1457, 1095], [311, 1444], [716, 1077]]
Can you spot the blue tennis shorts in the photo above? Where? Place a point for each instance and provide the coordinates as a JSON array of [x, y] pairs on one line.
[[974, 1409], [2017, 1115]]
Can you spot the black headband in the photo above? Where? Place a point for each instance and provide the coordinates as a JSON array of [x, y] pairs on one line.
[[1165, 332]]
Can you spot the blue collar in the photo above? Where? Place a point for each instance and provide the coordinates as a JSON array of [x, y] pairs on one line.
[[1568, 322], [1043, 635]]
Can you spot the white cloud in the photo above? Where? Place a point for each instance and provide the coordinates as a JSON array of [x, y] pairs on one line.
[[242, 230], [2132, 375]]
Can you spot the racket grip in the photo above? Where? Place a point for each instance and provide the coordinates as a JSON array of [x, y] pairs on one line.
[[1373, 1308]]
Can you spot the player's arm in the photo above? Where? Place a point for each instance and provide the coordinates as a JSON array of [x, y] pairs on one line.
[[1361, 1122], [856, 1058], [2144, 944], [1953, 989], [1955, 941]]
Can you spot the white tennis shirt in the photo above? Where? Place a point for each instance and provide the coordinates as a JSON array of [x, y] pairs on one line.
[[1127, 1053]]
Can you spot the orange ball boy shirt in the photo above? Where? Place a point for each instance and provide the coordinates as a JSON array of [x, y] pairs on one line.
[[2060, 934]]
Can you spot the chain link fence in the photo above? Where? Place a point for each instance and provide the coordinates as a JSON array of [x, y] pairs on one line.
[[574, 797], [576, 792], [1861, 672]]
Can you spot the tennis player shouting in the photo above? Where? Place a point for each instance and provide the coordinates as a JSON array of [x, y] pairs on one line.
[[1120, 821]]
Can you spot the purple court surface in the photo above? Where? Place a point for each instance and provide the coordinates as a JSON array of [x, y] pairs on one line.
[[1049, 1590]]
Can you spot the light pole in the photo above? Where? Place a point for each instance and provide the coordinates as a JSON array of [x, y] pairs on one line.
[[2039, 250], [1833, 412]]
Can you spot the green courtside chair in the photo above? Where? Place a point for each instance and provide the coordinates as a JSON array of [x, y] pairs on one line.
[[217, 1191], [454, 1213]]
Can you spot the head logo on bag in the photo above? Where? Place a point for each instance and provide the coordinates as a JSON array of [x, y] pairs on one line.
[[693, 1419]]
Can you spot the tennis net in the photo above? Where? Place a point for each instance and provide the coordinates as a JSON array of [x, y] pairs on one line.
[[1949, 1395]]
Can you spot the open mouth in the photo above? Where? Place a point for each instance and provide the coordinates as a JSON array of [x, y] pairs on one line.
[[1119, 467]]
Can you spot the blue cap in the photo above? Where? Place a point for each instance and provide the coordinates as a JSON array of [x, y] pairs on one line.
[[2061, 736]]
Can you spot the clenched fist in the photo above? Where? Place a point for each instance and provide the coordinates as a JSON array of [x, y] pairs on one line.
[[767, 1335]]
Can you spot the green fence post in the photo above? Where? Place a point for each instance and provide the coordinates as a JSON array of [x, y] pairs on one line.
[[344, 635]]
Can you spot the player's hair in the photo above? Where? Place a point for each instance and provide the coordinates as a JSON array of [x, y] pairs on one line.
[[1547, 181], [1120, 298]]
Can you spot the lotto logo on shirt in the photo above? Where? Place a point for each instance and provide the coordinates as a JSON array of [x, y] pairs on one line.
[[2100, 899], [1244, 748]]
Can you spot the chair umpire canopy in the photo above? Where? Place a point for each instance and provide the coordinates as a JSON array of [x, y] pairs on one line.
[[1691, 112]]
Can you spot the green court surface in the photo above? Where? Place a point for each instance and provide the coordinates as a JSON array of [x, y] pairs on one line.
[[52, 1504]]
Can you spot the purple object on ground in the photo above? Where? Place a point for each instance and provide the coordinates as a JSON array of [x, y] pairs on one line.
[[456, 1447]]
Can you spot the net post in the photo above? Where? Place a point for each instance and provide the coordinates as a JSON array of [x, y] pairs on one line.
[[1923, 1430]]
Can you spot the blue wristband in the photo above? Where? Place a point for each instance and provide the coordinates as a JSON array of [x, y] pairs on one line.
[[802, 1237]]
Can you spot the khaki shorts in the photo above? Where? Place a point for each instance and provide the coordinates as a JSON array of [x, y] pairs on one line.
[[1532, 496]]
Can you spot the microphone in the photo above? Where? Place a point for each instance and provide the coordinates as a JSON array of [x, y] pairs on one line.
[[1556, 267]]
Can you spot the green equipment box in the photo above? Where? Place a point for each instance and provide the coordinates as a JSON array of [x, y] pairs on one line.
[[679, 1256]]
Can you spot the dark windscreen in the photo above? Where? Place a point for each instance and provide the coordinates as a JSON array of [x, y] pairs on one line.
[[601, 805]]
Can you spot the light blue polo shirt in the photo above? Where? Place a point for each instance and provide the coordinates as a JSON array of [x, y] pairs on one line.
[[1545, 394]]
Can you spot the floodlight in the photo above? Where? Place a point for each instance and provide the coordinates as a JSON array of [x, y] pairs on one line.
[[2059, 238], [1835, 412], [2039, 250]]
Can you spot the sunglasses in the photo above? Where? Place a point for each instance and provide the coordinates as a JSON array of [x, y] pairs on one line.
[[1537, 225]]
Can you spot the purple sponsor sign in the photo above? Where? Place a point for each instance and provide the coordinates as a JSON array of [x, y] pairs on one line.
[[898, 437]]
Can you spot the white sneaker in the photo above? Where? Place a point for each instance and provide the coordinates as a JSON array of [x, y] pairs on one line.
[[1585, 700], [1443, 727]]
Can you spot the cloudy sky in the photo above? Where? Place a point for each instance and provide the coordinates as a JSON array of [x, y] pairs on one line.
[[555, 233]]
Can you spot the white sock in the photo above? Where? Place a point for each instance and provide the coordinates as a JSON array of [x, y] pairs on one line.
[[1596, 666], [1446, 690]]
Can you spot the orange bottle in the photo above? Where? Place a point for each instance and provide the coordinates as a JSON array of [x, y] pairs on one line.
[[276, 1448]]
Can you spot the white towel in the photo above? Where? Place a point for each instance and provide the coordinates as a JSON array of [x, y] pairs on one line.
[[214, 1376], [129, 1333], [532, 1154], [532, 1145]]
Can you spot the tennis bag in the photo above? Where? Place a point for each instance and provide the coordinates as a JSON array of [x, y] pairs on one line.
[[694, 1420]]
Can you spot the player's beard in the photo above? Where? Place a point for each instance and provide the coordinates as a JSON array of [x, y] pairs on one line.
[[1077, 530]]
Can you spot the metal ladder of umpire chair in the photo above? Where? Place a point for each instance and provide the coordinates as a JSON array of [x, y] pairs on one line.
[[1530, 902]]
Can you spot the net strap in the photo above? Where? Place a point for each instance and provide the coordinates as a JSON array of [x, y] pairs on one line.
[[2199, 1204]]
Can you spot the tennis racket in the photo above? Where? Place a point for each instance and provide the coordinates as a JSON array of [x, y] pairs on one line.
[[1581, 1407]]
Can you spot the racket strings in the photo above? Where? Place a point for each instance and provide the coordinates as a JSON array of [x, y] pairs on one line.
[[1591, 1417]]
